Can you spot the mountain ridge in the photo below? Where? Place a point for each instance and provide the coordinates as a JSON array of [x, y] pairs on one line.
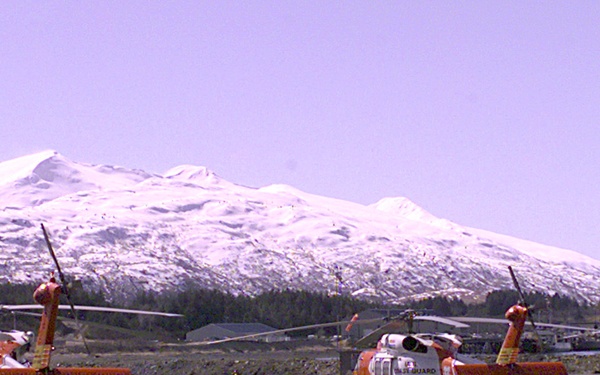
[[123, 231]]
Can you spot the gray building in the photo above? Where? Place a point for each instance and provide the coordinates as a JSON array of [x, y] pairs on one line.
[[220, 331]]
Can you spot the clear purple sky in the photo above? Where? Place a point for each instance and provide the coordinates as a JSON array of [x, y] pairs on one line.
[[484, 113]]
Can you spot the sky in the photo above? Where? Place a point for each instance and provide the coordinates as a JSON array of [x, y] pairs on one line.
[[484, 113]]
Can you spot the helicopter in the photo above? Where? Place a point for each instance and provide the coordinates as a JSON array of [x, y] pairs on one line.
[[13, 344], [437, 354], [384, 351]]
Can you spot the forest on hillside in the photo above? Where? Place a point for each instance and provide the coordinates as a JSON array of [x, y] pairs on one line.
[[280, 308]]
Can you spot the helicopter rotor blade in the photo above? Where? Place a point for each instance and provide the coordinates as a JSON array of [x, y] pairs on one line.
[[523, 302], [402, 322], [92, 308], [286, 330], [517, 286], [392, 324], [470, 319], [102, 326], [64, 286]]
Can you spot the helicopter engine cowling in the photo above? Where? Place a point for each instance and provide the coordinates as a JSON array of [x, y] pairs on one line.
[[413, 344], [406, 343]]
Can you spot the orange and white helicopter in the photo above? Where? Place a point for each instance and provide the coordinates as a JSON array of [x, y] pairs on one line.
[[13, 344], [437, 354]]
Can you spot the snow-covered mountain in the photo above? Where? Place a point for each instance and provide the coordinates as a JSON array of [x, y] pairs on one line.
[[125, 230]]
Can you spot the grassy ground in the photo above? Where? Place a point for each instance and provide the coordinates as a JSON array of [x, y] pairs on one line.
[[297, 358]]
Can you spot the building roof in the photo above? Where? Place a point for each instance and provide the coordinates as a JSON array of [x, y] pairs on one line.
[[217, 331], [244, 328]]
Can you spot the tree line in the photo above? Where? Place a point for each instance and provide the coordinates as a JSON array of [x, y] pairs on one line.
[[279, 308]]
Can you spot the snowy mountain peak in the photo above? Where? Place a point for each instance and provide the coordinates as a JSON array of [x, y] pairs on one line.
[[193, 173], [19, 168], [283, 189], [42, 177], [123, 231], [402, 206]]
